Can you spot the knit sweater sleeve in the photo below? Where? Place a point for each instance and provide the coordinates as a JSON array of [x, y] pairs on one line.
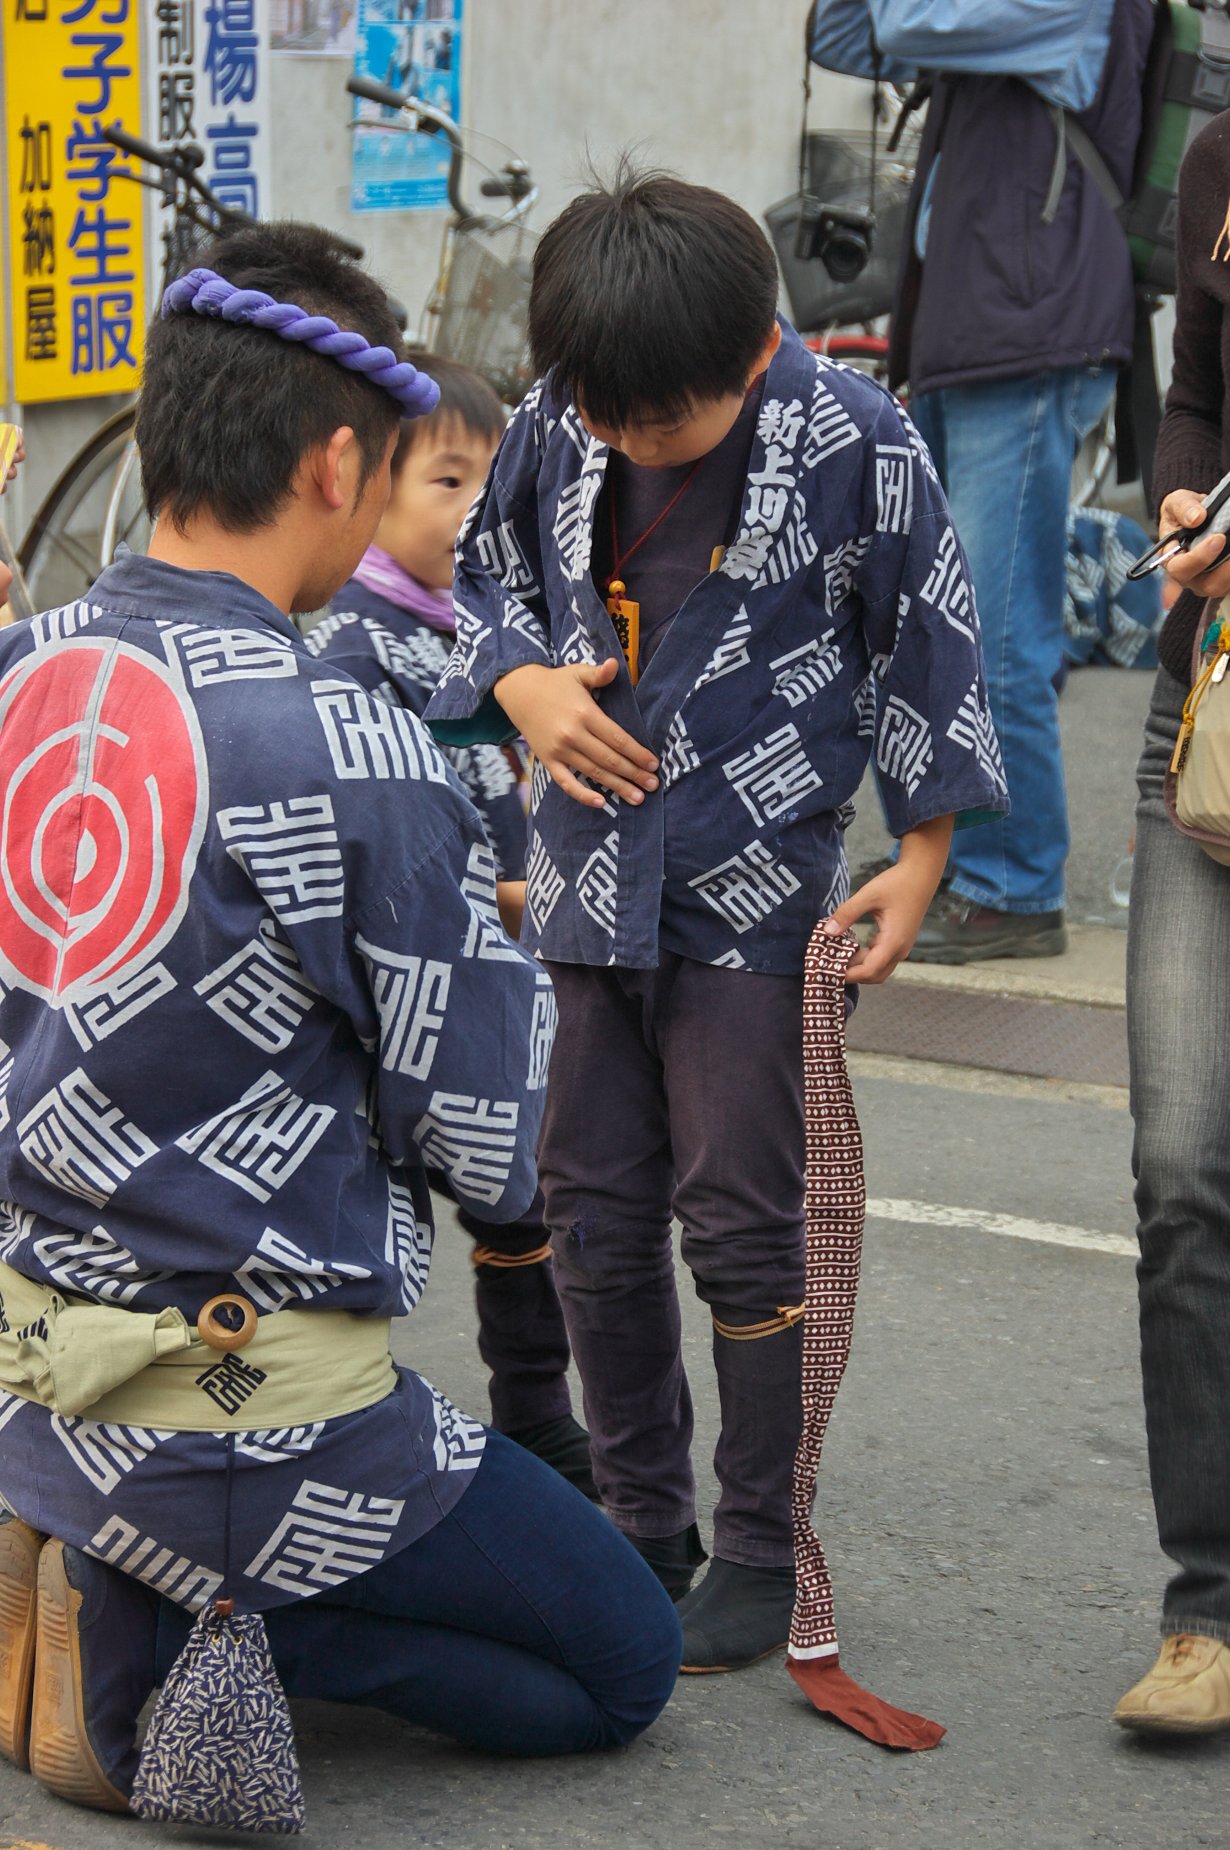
[[1190, 451], [1189, 444]]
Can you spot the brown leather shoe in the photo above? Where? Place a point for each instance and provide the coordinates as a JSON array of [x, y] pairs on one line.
[[956, 931], [19, 1552], [1186, 1692]]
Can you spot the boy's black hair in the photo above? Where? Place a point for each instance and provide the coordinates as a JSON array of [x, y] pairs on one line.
[[227, 412], [650, 296], [465, 399]]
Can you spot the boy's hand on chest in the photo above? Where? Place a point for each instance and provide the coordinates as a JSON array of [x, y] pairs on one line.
[[555, 711]]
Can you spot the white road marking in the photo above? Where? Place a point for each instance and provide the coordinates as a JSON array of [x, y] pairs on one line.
[[1048, 1233]]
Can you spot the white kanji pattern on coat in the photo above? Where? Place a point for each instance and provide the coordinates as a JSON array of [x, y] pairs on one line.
[[904, 747], [261, 991], [121, 1545], [472, 1139], [82, 1142], [92, 1264], [326, 1536], [259, 1142], [747, 887], [369, 739], [411, 995], [774, 775], [291, 854], [280, 1271]]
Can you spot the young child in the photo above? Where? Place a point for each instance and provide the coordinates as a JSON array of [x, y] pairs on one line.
[[763, 533], [392, 628]]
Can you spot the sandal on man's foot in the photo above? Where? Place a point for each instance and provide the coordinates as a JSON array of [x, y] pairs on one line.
[[19, 1552], [93, 1669], [736, 1616]]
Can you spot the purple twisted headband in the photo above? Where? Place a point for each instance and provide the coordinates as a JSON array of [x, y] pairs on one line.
[[204, 292]]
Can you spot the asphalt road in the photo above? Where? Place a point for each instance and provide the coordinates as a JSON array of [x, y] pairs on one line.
[[985, 1507]]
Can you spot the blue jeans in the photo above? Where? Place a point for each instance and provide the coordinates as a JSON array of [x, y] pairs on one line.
[[1178, 953], [1004, 451], [523, 1623]]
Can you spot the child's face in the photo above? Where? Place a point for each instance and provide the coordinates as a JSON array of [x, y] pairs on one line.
[[665, 443], [431, 497]]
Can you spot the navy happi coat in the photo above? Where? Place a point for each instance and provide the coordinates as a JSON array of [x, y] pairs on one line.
[[841, 620], [399, 658], [252, 979]]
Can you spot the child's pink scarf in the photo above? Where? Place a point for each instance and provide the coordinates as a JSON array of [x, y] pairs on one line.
[[378, 571]]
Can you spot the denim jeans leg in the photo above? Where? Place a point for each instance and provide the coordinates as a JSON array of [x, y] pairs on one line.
[[1004, 450], [523, 1623], [1178, 953]]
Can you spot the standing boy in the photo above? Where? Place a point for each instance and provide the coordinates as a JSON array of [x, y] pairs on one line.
[[392, 628], [765, 533]]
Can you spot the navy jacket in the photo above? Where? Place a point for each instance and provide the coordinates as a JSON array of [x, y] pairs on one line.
[[1001, 293]]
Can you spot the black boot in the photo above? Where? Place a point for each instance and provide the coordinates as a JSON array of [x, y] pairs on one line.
[[673, 1558], [736, 1616], [564, 1445]]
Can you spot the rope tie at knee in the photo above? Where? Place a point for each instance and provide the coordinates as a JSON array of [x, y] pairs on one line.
[[787, 1316], [507, 1262]]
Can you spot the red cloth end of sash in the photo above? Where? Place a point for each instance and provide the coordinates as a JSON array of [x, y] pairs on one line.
[[826, 1685]]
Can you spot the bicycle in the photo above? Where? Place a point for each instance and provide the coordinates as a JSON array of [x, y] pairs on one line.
[[478, 306], [96, 503], [479, 302]]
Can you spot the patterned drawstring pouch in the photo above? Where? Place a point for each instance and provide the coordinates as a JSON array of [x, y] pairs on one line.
[[220, 1749]]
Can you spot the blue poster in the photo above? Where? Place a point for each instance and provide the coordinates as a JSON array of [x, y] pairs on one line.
[[411, 45]]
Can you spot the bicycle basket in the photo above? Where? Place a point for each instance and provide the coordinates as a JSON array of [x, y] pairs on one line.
[[838, 172], [486, 307]]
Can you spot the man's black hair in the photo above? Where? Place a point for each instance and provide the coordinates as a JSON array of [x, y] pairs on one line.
[[227, 412], [465, 399], [649, 297]]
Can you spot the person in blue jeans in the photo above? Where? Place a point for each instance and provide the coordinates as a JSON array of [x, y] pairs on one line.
[[1012, 312]]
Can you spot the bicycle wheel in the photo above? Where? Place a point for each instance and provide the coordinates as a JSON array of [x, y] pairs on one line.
[[93, 506]]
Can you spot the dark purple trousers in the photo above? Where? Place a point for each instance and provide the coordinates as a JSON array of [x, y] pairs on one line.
[[521, 1334], [679, 1091]]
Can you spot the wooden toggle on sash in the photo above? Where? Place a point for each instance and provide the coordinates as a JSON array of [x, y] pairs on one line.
[[836, 1205]]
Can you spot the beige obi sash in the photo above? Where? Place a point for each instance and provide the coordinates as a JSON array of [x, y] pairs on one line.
[[141, 1368]]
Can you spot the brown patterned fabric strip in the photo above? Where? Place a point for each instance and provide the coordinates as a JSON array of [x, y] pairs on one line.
[[836, 1204]]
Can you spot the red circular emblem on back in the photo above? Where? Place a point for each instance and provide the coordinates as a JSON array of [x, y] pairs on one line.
[[104, 784]]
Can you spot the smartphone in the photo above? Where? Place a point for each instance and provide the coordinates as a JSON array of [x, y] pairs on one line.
[[1216, 520]]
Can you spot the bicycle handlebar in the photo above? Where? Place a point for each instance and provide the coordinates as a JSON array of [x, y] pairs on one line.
[[376, 92], [183, 161], [433, 121]]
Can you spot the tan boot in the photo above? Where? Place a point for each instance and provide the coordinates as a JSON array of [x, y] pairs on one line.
[[1186, 1692], [19, 1552]]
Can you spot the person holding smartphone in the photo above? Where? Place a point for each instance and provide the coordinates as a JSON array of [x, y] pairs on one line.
[[1178, 944]]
